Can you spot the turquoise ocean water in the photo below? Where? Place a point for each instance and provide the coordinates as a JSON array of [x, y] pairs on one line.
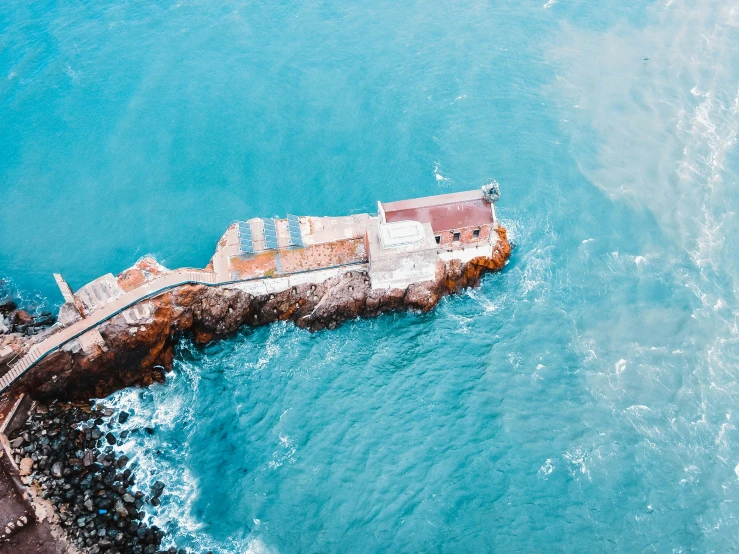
[[583, 400]]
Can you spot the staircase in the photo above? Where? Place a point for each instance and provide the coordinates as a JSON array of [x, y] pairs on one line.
[[105, 305]]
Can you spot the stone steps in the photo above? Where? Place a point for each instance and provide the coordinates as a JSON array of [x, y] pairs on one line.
[[98, 295]]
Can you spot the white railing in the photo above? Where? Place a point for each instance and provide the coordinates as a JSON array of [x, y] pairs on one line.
[[117, 305], [153, 288]]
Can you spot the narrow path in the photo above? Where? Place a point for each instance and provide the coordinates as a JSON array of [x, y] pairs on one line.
[[176, 278], [154, 287]]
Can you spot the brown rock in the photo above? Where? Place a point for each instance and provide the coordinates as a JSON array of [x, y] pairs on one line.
[[143, 357], [23, 318], [26, 467]]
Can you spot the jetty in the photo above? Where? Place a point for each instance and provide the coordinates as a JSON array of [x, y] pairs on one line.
[[402, 246]]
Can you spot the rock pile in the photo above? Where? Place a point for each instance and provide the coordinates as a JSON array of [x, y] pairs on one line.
[[13, 320], [71, 460]]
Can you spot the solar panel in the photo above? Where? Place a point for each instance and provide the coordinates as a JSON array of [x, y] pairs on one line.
[[246, 244], [293, 225], [270, 234]]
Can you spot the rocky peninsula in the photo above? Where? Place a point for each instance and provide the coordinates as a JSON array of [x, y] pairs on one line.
[[139, 354], [121, 331]]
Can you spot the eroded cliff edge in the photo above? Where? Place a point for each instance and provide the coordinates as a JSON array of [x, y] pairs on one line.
[[139, 353]]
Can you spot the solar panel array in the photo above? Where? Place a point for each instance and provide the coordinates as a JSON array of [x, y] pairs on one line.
[[293, 225], [246, 244], [270, 234]]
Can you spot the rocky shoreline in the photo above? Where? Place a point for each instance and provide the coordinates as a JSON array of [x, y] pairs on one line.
[[69, 465], [140, 352], [14, 320]]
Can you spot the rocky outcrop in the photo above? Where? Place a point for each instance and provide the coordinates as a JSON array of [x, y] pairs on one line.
[[140, 352], [13, 320]]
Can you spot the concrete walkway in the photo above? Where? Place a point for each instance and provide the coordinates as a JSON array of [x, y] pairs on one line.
[[184, 276], [154, 287]]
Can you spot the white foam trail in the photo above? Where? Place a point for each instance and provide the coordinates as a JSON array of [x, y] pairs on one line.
[[546, 469], [439, 177]]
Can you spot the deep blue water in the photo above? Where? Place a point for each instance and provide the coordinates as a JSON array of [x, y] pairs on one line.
[[583, 400]]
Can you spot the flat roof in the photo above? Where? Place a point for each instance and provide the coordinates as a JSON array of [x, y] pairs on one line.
[[445, 212], [401, 233]]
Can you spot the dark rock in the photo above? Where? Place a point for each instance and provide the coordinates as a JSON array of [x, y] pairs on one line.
[[44, 320], [157, 489], [110, 438], [7, 305], [123, 417]]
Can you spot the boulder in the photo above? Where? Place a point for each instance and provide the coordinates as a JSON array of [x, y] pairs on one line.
[[120, 509], [26, 466], [88, 459], [22, 317], [44, 320], [7, 305], [157, 489]]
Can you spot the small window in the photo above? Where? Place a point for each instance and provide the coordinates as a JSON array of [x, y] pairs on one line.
[[476, 234], [455, 238], [438, 239]]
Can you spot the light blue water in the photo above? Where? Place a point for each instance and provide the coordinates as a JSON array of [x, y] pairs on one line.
[[583, 400]]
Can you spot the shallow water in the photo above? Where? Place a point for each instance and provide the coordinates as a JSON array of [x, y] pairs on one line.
[[582, 400]]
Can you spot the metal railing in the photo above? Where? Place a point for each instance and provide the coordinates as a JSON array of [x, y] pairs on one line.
[[190, 276]]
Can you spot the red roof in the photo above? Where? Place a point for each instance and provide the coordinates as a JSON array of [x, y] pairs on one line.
[[445, 212]]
